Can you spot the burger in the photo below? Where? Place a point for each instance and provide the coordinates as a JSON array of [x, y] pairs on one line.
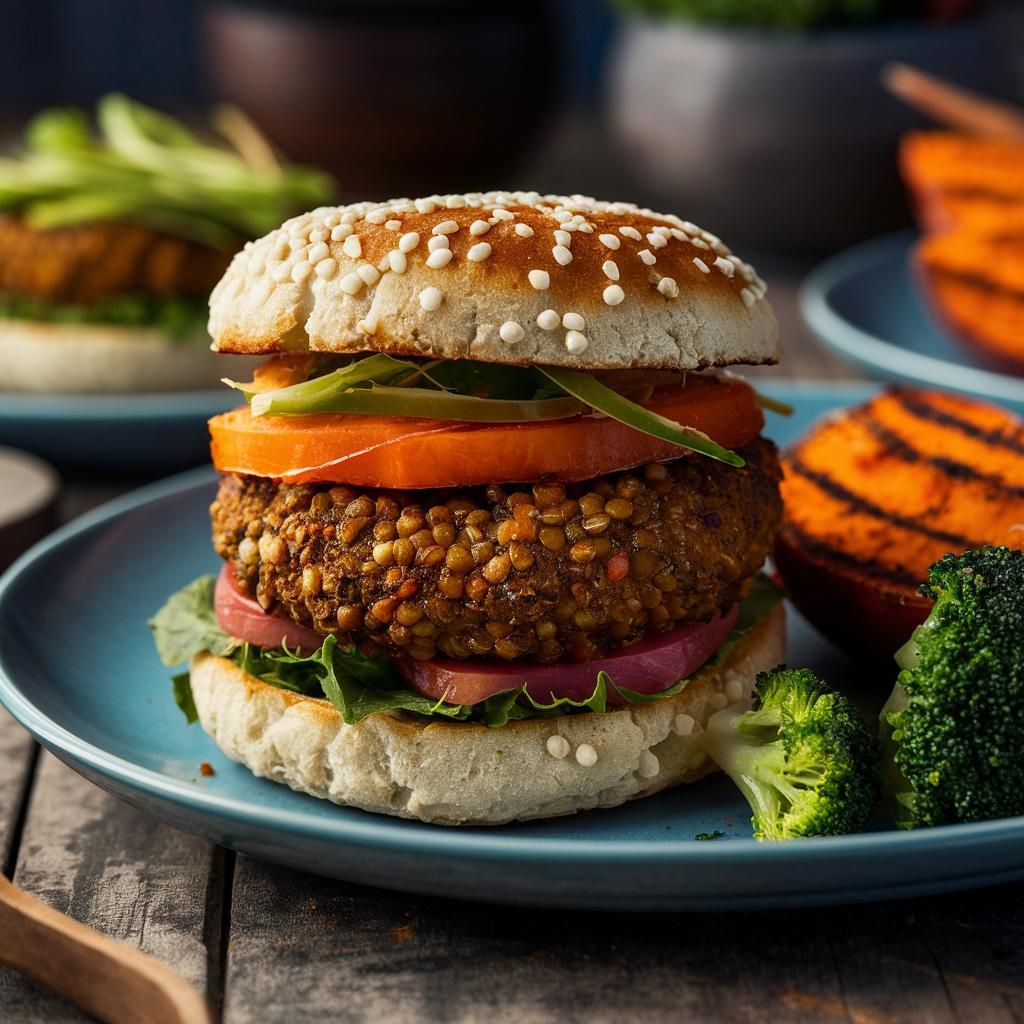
[[492, 516], [111, 241]]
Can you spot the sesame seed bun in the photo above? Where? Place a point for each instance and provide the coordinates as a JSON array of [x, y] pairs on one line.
[[513, 278], [462, 774], [66, 359]]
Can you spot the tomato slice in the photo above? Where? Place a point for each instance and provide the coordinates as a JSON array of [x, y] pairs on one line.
[[242, 617], [648, 666], [378, 451]]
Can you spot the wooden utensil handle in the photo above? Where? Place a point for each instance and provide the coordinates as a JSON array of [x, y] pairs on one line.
[[104, 977]]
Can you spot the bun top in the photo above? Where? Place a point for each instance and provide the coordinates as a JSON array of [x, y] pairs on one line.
[[504, 277]]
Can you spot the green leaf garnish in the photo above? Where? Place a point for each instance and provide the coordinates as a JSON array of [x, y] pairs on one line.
[[146, 168], [591, 391], [358, 686]]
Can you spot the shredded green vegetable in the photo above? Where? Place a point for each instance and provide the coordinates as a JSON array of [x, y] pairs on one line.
[[146, 168]]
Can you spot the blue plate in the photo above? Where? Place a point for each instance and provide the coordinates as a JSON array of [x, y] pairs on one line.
[[149, 433], [865, 304], [78, 669]]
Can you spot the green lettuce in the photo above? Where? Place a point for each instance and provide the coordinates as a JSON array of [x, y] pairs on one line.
[[358, 686]]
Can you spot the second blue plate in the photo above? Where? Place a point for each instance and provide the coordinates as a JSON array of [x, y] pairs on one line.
[[865, 304]]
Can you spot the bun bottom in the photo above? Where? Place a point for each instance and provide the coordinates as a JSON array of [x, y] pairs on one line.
[[462, 774], [102, 359]]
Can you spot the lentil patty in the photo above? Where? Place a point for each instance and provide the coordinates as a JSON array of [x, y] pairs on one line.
[[83, 265], [545, 573]]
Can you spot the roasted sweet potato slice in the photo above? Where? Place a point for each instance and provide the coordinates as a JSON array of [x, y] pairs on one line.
[[875, 494], [958, 180], [975, 281]]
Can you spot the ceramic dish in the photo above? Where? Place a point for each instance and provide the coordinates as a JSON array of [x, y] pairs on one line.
[[78, 669], [865, 304], [151, 433]]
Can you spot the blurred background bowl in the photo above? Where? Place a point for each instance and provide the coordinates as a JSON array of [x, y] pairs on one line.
[[783, 139]]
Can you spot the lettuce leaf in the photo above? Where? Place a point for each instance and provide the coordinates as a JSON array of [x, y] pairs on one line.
[[358, 686]]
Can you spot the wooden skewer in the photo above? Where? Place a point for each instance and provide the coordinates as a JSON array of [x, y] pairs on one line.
[[104, 977], [951, 105]]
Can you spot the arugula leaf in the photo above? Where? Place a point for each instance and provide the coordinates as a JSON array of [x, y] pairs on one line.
[[358, 686], [187, 624], [587, 388], [181, 687]]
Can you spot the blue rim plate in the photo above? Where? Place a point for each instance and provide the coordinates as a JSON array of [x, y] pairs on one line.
[[150, 433], [77, 668], [865, 304]]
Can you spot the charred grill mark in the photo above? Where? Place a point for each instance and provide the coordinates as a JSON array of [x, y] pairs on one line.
[[902, 449], [924, 411], [818, 548], [862, 506]]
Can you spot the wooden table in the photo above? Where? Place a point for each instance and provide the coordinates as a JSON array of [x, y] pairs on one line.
[[269, 944]]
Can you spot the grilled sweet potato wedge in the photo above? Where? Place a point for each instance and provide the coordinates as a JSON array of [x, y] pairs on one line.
[[975, 281], [960, 181], [877, 493]]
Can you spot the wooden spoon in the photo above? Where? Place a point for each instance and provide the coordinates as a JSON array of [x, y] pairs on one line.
[[951, 105], [104, 977]]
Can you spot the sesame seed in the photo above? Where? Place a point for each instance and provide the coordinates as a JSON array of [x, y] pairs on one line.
[[352, 248], [548, 320], [682, 725], [668, 287], [657, 240], [446, 227], [409, 241], [524, 231], [628, 232], [425, 206], [439, 258], [511, 333], [430, 299], [718, 701], [479, 227], [479, 252], [367, 325], [352, 283], [748, 297], [648, 257], [701, 265], [397, 261], [575, 342], [586, 755], [585, 228], [680, 235], [319, 252], [331, 220], [725, 266], [720, 247], [326, 269], [562, 215], [563, 238], [558, 746], [392, 225], [281, 272], [340, 232], [319, 235], [649, 765], [279, 251], [455, 202], [699, 243], [734, 690], [369, 274], [574, 322], [562, 255], [500, 214], [611, 241], [301, 271], [611, 270], [376, 216], [540, 279], [614, 294], [438, 242]]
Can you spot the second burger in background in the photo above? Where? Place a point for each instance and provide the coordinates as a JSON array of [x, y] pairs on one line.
[[491, 521], [110, 244]]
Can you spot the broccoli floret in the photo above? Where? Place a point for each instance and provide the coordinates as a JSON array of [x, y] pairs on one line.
[[953, 728], [802, 756]]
